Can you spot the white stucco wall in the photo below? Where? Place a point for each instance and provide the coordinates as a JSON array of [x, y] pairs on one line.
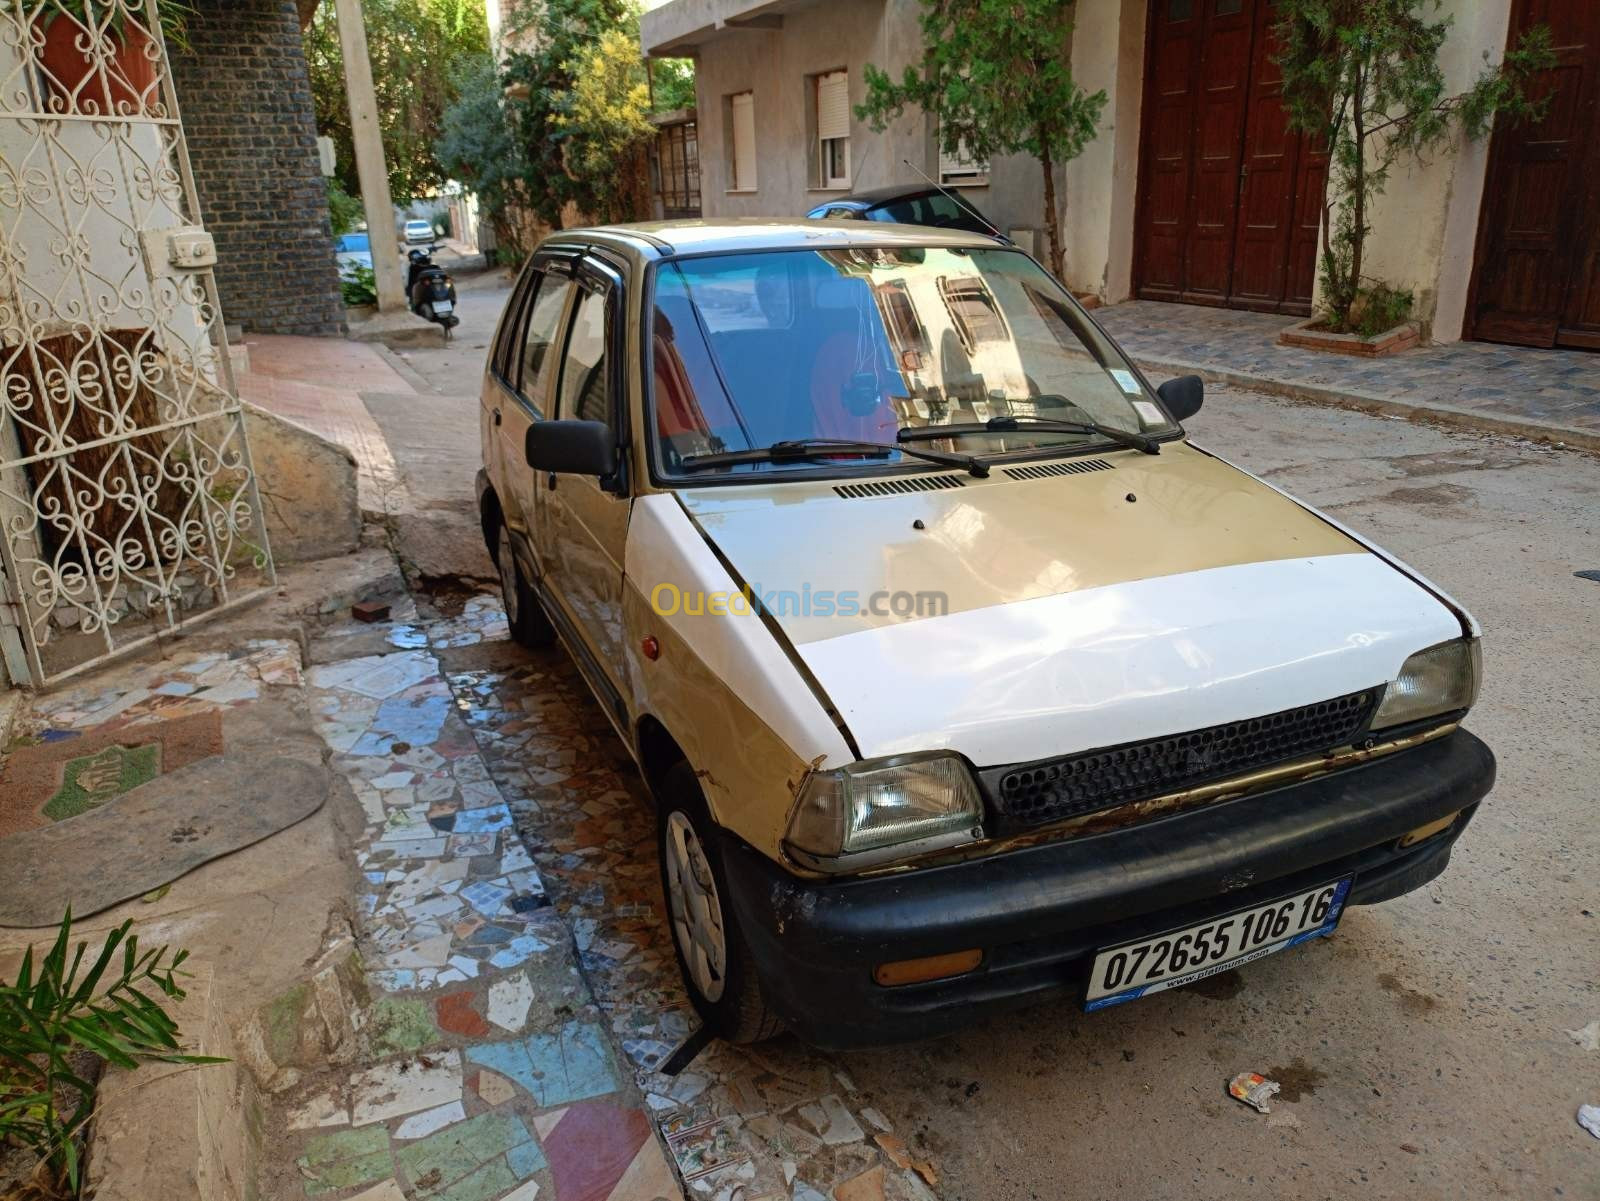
[[1425, 225]]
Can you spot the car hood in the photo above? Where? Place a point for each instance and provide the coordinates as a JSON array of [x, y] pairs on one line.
[[1033, 614]]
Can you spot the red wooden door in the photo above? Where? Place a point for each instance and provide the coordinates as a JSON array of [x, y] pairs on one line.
[[1227, 192], [1537, 272]]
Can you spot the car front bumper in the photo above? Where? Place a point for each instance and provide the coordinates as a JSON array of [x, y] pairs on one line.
[[1039, 914]]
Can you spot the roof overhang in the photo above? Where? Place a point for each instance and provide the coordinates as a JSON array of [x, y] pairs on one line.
[[678, 29]]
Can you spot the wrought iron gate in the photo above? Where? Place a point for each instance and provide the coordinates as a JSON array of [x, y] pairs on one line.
[[128, 506]]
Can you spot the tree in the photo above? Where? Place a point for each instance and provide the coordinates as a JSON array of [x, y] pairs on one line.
[[416, 47], [1363, 76], [672, 83], [564, 37], [477, 146], [996, 77], [607, 119]]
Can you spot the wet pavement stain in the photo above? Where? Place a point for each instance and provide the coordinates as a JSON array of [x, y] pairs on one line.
[[1412, 1002], [1437, 494], [1298, 1079]]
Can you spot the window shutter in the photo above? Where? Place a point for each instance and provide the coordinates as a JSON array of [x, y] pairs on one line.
[[960, 166], [833, 106], [744, 141]]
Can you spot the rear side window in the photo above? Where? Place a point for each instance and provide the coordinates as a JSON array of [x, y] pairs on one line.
[[544, 320]]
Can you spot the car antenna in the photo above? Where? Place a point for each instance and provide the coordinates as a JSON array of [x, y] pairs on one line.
[[959, 203]]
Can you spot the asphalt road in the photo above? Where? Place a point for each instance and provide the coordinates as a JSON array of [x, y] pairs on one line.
[[1423, 1050]]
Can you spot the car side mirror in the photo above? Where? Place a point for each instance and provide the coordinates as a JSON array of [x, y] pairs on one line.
[[572, 447], [1183, 396]]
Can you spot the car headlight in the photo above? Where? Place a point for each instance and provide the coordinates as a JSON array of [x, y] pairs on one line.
[[884, 808], [1441, 679]]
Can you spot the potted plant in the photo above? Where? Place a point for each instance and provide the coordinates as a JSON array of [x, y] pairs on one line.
[[1363, 77], [99, 56]]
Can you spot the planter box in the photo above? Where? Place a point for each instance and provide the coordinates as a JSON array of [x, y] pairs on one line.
[[1088, 300], [1391, 341]]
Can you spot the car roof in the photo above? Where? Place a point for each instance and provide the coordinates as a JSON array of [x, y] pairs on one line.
[[904, 191], [705, 237]]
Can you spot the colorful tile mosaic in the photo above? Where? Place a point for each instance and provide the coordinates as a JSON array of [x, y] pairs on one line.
[[480, 1021]]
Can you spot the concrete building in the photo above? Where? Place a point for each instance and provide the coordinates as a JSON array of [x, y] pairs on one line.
[[1194, 190]]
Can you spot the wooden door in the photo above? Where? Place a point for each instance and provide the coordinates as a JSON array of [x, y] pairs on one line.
[[1229, 197], [1537, 272]]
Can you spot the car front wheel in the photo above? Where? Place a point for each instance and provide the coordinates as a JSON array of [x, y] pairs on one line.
[[524, 616], [715, 959]]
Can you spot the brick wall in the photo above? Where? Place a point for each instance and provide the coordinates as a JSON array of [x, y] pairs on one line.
[[245, 98]]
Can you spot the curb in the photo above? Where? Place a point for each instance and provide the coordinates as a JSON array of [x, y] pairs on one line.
[[1446, 416]]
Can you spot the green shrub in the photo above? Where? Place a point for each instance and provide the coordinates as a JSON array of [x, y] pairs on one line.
[[359, 285], [1380, 308], [51, 1014]]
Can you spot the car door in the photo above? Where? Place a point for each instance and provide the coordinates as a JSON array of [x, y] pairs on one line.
[[527, 376], [584, 520]]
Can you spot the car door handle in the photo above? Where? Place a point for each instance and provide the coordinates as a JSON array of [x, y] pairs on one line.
[[497, 416], [552, 481]]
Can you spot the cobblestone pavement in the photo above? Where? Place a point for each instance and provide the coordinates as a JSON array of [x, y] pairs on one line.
[[1548, 387]]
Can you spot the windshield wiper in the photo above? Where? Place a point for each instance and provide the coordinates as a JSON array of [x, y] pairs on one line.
[[1007, 425], [805, 449]]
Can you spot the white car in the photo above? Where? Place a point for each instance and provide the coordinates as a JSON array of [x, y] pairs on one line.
[[961, 677], [418, 230]]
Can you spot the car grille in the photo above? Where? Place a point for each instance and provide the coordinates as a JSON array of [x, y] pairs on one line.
[[1048, 790]]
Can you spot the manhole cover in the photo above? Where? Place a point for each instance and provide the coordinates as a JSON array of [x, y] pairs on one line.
[[1593, 574]]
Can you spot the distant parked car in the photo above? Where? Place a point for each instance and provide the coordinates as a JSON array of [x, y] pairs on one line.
[[907, 205], [419, 230], [351, 251]]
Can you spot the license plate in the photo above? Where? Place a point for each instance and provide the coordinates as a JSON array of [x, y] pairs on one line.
[[1155, 964], [443, 306]]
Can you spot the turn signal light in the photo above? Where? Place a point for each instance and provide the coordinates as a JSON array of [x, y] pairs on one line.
[[934, 967]]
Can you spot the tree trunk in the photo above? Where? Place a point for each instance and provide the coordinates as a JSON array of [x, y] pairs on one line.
[[1051, 225]]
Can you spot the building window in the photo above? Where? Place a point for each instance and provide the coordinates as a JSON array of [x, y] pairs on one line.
[[833, 129], [961, 169], [973, 311], [741, 114]]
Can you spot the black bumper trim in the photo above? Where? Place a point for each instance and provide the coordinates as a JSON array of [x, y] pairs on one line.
[[1038, 912]]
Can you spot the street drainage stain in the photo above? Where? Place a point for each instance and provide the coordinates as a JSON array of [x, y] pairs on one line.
[[1413, 1002], [1297, 1080]]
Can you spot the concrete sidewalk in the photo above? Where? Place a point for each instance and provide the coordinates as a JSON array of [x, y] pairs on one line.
[[1551, 395]]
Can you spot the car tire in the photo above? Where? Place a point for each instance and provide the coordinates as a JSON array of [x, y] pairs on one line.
[[728, 994], [525, 617]]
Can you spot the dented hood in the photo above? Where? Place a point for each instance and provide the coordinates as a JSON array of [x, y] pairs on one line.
[[1013, 618]]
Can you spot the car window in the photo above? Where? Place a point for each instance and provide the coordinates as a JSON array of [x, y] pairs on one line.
[[585, 394], [544, 319]]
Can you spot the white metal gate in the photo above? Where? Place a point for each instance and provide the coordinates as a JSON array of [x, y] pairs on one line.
[[128, 506]]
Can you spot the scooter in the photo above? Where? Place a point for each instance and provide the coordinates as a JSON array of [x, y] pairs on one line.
[[431, 292]]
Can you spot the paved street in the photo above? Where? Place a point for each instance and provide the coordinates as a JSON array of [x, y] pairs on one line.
[[1423, 1051]]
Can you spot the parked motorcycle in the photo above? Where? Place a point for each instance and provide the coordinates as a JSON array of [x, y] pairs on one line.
[[430, 291]]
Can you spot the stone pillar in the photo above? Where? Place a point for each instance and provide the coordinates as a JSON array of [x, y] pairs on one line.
[[370, 165], [245, 98]]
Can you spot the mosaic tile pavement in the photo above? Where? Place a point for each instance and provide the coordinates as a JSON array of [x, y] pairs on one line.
[[778, 1120], [489, 1074], [1553, 387]]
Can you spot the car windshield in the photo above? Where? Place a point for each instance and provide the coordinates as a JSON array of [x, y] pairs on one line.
[[749, 350], [348, 242]]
